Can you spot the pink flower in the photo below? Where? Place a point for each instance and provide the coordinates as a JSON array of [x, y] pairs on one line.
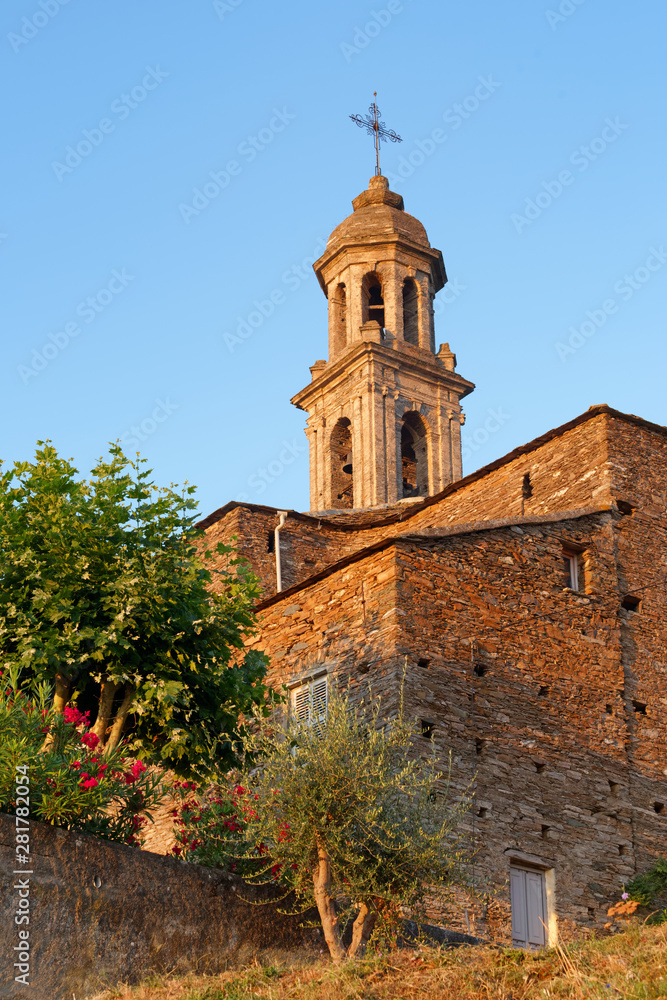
[[90, 740], [626, 895], [134, 772], [90, 783], [75, 717]]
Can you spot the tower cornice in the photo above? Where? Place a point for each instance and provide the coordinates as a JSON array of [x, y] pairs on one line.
[[333, 258], [403, 359]]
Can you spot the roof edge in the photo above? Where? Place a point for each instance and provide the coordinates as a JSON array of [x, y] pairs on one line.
[[593, 411], [430, 534]]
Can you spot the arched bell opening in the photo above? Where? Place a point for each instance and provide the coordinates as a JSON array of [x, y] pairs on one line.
[[339, 319], [342, 480], [372, 302], [410, 312], [414, 456]]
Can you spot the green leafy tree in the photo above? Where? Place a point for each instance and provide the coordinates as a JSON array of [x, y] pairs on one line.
[[343, 813], [106, 594]]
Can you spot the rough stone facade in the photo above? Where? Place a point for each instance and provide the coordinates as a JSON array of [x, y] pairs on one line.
[[103, 914], [525, 603]]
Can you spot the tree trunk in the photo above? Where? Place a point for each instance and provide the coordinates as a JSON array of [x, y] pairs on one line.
[[107, 695], [60, 699], [362, 929], [120, 720], [326, 906]]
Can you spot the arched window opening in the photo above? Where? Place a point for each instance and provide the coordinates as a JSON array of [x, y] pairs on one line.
[[373, 302], [414, 456], [410, 312], [342, 482], [339, 306]]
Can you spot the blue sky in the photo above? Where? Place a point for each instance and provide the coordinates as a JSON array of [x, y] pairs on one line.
[[533, 152]]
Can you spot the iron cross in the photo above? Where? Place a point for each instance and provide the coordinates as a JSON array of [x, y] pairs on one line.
[[371, 122]]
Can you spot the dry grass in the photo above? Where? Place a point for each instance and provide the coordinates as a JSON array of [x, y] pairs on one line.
[[632, 965]]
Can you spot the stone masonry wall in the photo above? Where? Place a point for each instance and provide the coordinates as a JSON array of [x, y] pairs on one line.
[[103, 914], [639, 461], [567, 472], [539, 712]]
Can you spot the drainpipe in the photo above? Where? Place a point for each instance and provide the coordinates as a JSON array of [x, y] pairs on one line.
[[276, 536]]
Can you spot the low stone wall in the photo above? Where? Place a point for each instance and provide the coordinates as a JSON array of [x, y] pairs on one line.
[[102, 913]]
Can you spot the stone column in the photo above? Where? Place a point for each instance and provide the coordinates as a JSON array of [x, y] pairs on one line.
[[392, 275], [394, 471]]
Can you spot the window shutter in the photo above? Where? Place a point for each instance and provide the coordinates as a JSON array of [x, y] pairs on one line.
[[535, 908], [320, 700], [528, 895], [301, 703], [519, 915]]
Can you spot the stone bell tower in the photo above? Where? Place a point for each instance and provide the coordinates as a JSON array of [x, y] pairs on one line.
[[384, 411]]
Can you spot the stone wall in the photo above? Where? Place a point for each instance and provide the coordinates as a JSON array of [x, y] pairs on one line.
[[568, 469], [102, 913], [521, 678]]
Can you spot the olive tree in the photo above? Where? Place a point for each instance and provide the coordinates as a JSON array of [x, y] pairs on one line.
[[350, 817]]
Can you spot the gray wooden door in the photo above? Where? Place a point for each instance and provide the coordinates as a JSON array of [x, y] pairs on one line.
[[529, 909]]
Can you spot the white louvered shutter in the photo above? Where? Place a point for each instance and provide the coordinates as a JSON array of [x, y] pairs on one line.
[[301, 703], [320, 694]]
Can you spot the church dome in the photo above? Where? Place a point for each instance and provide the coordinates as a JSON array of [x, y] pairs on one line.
[[378, 212]]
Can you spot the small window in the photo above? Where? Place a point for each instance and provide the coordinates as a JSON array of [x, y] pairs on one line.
[[544, 691], [639, 707], [423, 662], [608, 709], [659, 807], [574, 569], [540, 766], [482, 812], [630, 603], [613, 787], [480, 669], [591, 915], [427, 729], [526, 487], [479, 747], [624, 507], [309, 701], [622, 850], [545, 831], [270, 542]]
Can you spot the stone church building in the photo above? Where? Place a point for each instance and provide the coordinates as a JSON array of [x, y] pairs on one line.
[[526, 601]]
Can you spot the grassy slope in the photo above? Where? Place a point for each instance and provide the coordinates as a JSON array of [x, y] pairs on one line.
[[632, 965]]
